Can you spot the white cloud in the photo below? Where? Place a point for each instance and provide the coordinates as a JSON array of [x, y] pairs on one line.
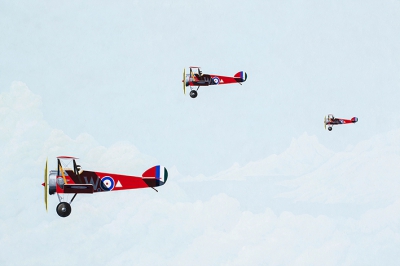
[[176, 227], [366, 173], [303, 155]]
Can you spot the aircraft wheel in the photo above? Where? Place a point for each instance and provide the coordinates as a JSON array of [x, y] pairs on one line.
[[63, 209], [330, 128], [193, 93]]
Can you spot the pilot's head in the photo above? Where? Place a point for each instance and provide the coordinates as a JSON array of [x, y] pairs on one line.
[[79, 168]]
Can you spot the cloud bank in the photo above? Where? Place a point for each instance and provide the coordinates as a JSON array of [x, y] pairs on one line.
[[314, 206]]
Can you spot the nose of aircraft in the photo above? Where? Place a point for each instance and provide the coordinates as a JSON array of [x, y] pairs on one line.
[[187, 79]]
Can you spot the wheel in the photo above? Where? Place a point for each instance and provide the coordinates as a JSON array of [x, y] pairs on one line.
[[330, 128], [63, 209], [193, 93]]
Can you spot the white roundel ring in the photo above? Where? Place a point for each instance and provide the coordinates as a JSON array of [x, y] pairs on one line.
[[216, 80], [107, 183]]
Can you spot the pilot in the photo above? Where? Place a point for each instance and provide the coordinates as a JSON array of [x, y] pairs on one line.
[[79, 168]]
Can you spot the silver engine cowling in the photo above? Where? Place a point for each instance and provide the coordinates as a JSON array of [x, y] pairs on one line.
[[188, 79], [52, 182]]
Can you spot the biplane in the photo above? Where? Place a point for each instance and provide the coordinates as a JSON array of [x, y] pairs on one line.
[[71, 179], [199, 79], [331, 121]]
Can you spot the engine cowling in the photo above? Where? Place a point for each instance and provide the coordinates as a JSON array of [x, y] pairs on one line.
[[52, 182]]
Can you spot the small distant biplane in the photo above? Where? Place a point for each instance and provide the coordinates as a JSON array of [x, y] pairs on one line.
[[199, 79], [331, 121], [70, 178]]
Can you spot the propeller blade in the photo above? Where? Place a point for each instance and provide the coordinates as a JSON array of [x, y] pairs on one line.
[[184, 81], [46, 186], [325, 122]]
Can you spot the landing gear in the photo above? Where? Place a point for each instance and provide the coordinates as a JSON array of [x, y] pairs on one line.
[[63, 209], [330, 128], [193, 93]]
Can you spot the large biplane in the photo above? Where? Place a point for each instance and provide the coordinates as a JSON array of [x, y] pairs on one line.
[[70, 178], [199, 79], [331, 121]]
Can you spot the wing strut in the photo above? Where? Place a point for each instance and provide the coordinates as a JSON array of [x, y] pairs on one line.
[[62, 171]]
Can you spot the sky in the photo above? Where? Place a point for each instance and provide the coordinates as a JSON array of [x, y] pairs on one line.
[[253, 176]]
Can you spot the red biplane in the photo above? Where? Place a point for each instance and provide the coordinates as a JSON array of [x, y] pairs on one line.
[[332, 121], [199, 79], [69, 178]]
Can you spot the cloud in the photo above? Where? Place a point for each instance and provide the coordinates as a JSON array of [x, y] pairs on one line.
[[213, 226], [365, 173], [26, 140], [303, 155]]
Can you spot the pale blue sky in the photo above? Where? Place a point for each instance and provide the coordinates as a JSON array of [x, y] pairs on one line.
[[116, 70], [102, 81]]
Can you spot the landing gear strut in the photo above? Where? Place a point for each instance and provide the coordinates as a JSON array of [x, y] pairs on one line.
[[63, 209]]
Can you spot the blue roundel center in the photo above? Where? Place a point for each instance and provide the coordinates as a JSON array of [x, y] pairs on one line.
[[107, 183], [215, 80]]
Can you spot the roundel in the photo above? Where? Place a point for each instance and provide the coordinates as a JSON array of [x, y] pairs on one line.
[[215, 80], [107, 183]]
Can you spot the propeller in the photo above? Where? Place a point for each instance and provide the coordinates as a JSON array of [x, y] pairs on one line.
[[184, 81], [325, 122], [46, 186]]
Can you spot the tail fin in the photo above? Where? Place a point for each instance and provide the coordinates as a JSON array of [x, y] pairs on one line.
[[240, 76], [354, 119], [155, 176]]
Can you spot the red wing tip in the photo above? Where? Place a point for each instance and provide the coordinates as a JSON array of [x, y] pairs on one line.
[[66, 157], [42, 184]]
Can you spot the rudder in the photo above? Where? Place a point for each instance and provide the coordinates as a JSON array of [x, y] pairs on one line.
[[241, 76], [155, 176]]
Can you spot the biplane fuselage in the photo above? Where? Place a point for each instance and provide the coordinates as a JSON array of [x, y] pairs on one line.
[[210, 79], [101, 182]]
